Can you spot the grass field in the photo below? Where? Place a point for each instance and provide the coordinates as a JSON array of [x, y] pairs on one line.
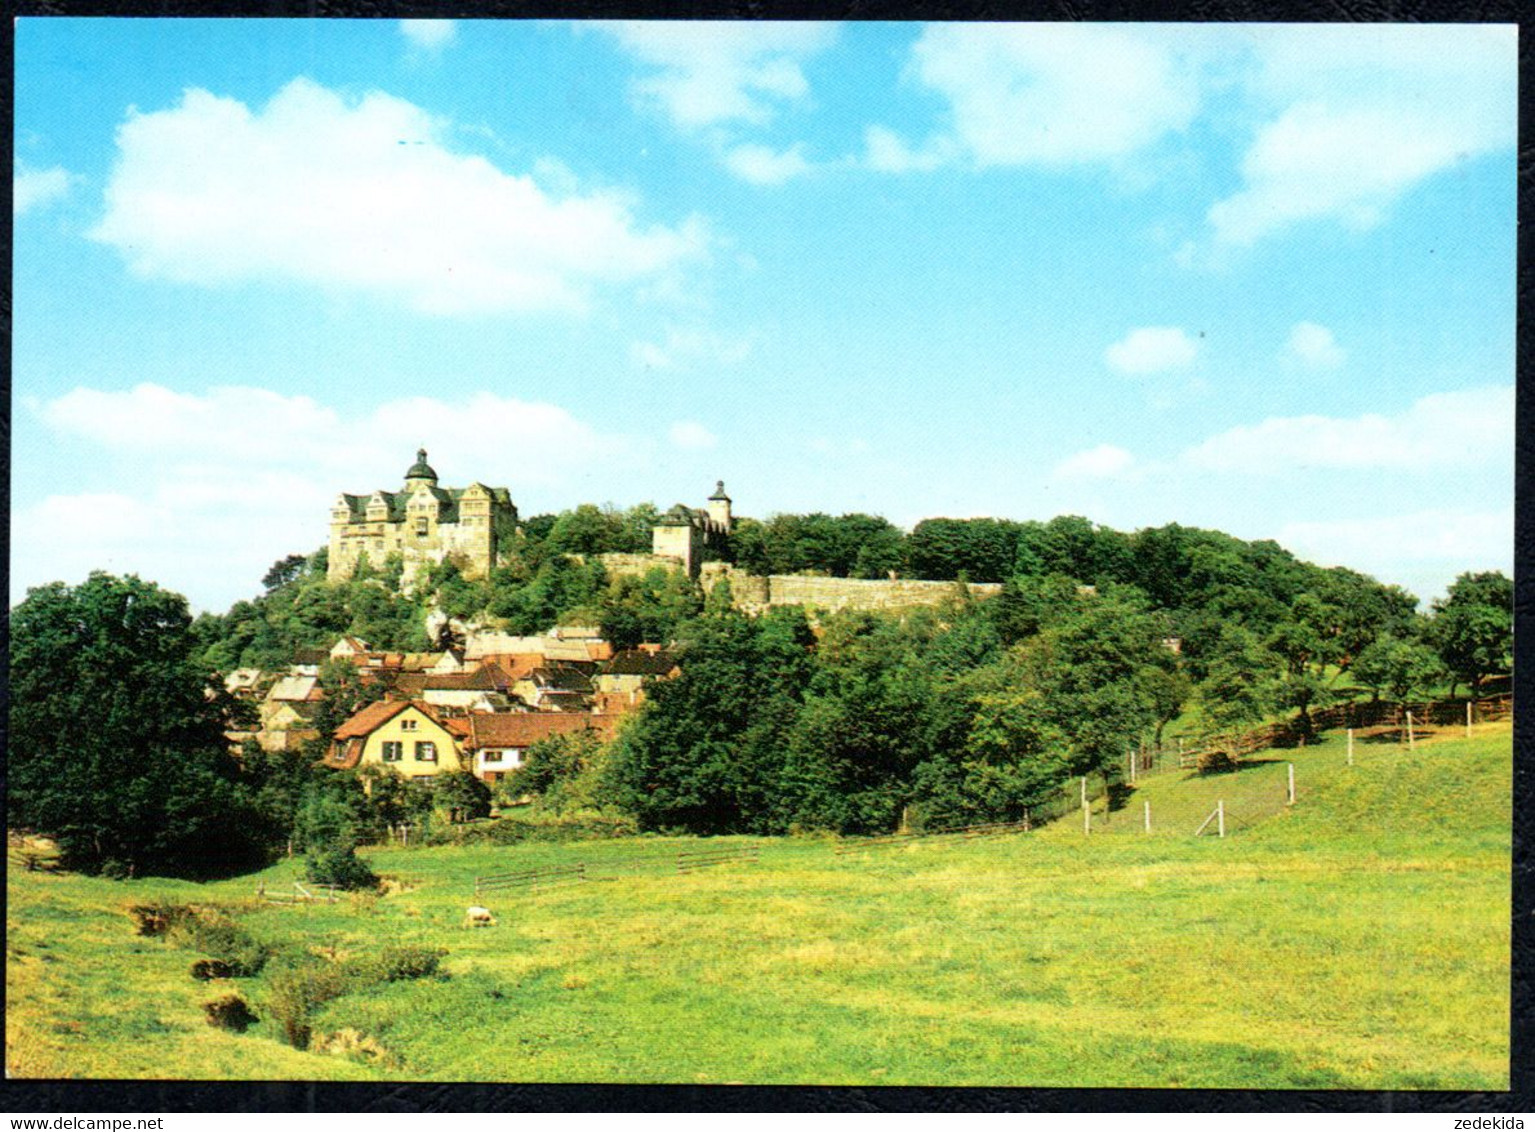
[[1359, 939]]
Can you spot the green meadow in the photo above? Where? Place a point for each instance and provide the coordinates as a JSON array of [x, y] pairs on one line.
[[1358, 939]]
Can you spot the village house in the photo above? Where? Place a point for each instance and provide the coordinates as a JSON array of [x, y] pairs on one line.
[[498, 744], [620, 682], [288, 713], [408, 736], [487, 688], [561, 687]]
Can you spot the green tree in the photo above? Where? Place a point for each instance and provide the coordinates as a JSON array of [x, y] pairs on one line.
[[462, 795], [284, 571], [115, 748], [1473, 628], [1402, 669], [705, 753]]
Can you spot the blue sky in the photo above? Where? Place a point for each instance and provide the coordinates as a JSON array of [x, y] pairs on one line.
[[1255, 278]]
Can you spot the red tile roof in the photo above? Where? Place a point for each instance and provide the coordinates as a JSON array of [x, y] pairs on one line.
[[374, 716], [523, 729]]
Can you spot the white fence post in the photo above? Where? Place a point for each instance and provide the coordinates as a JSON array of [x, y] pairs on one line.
[[1292, 784], [1220, 817], [1468, 719], [1148, 817], [1350, 746]]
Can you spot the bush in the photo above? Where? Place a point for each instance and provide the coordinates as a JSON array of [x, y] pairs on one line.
[[236, 952], [206, 969], [394, 964], [1216, 762], [230, 1013], [295, 993], [157, 917], [340, 866]]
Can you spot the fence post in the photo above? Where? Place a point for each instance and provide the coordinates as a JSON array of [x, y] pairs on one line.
[[1220, 817], [1292, 785], [1468, 719], [1148, 817], [1350, 746], [1411, 744]]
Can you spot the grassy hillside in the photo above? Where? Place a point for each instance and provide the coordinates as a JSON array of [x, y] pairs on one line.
[[1359, 939]]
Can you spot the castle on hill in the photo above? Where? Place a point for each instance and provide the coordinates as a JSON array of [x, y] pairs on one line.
[[476, 526], [426, 524]]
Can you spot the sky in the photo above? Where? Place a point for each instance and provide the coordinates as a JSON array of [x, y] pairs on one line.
[[1255, 278]]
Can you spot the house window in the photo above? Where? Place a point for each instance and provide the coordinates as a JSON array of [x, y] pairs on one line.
[[493, 756], [409, 724], [426, 752], [393, 751]]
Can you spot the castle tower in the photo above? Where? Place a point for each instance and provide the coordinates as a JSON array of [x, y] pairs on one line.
[[420, 474], [719, 507]]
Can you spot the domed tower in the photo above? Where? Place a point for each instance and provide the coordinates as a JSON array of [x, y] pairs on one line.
[[420, 473], [719, 506]]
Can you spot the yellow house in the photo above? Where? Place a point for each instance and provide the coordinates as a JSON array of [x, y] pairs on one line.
[[404, 735]]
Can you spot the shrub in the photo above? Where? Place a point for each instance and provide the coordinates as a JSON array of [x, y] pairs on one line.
[[158, 916], [215, 935], [410, 962], [205, 969], [394, 964], [340, 866], [351, 1043], [230, 1013], [1216, 762], [295, 993]]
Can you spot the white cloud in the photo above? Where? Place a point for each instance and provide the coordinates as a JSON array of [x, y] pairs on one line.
[[1366, 112], [1423, 550], [1469, 429], [686, 348], [1152, 349], [364, 197], [34, 188], [227, 481], [429, 35], [691, 434], [1103, 462], [1045, 94], [886, 152], [721, 72], [763, 165], [1313, 345]]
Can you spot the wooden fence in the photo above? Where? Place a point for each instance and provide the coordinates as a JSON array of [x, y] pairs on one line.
[[530, 878], [1361, 715], [989, 829], [689, 862], [301, 894]]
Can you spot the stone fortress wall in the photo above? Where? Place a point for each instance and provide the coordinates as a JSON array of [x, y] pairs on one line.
[[752, 593]]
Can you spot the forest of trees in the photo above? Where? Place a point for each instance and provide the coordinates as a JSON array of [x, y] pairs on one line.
[[969, 711]]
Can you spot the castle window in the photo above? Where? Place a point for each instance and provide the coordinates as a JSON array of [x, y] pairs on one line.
[[426, 752], [421, 526]]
